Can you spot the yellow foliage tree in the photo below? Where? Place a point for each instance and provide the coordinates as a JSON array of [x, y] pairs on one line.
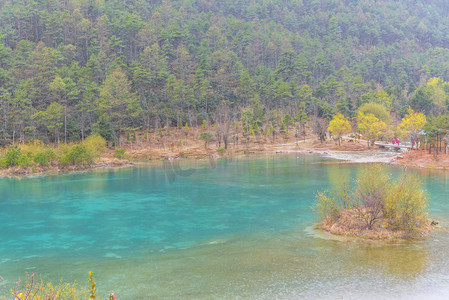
[[370, 126], [435, 81], [339, 126], [412, 124]]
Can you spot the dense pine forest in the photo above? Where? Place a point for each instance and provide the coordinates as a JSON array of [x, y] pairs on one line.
[[73, 67]]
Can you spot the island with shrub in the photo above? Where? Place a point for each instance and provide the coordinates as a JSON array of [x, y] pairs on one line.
[[376, 206]]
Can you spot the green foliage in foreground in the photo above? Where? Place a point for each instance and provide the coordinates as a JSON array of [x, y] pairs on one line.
[[13, 156], [401, 202], [44, 158], [34, 287], [37, 154]]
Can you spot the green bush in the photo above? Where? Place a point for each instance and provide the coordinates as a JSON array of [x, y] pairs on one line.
[[406, 203], [12, 157], [44, 157], [221, 151], [78, 155], [120, 153], [26, 160]]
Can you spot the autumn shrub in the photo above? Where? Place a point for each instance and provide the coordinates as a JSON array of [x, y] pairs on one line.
[[63, 149], [34, 287], [33, 146], [95, 145], [400, 204], [327, 206], [330, 204], [406, 203], [372, 188]]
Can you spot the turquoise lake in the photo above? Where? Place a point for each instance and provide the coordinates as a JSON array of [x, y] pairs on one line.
[[239, 228]]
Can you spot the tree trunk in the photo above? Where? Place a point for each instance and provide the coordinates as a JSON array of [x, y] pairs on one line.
[[82, 125], [65, 124], [225, 140], [304, 133]]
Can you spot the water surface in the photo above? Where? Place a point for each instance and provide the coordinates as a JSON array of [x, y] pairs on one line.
[[231, 228]]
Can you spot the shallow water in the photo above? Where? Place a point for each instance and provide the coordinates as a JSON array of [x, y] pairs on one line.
[[228, 228]]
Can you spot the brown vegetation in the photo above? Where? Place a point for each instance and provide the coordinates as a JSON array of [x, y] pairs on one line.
[[422, 159], [350, 224]]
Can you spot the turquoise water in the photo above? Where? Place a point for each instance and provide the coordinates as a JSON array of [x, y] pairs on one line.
[[228, 228]]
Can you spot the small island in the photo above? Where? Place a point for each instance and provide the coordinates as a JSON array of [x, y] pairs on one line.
[[376, 206]]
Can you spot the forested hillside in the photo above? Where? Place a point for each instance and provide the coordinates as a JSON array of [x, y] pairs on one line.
[[71, 67]]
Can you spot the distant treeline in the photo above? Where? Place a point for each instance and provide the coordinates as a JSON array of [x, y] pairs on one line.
[[70, 68]]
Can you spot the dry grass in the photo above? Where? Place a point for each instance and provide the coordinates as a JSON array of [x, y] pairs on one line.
[[422, 159]]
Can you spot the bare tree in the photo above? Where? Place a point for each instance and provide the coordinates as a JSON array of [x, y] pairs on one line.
[[370, 208], [223, 116], [373, 185], [319, 127]]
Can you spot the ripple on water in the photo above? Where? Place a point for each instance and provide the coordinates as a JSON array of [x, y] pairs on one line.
[[112, 255]]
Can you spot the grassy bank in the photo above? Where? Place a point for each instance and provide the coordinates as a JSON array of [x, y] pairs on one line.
[[36, 157]]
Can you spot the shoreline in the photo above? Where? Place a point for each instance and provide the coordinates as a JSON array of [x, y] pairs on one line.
[[380, 233], [17, 172], [357, 153], [317, 231]]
